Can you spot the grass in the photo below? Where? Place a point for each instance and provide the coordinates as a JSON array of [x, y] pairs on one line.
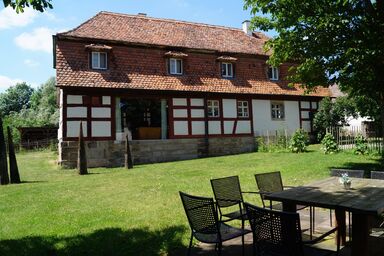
[[114, 211]]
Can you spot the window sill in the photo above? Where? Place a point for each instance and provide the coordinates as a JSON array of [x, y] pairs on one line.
[[278, 119]]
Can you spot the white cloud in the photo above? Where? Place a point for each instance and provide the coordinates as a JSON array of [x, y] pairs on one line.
[[31, 63], [6, 82], [9, 18], [40, 39]]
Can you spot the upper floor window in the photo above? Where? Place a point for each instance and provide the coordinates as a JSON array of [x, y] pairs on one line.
[[213, 108], [242, 108], [175, 66], [99, 60], [226, 70], [277, 110], [273, 73]]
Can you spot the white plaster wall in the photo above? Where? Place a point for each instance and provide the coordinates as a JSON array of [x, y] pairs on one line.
[[306, 126], [197, 113], [262, 120], [229, 108], [197, 102], [214, 127], [76, 111], [101, 128], [106, 100], [61, 102], [180, 113], [228, 127], [179, 102], [74, 99], [101, 112], [73, 129], [180, 127], [198, 128], [243, 127]]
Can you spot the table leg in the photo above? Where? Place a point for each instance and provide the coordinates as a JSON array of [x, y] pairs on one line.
[[341, 226], [360, 234]]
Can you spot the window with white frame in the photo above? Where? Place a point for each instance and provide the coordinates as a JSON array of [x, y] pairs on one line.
[[213, 108], [175, 66], [273, 73], [226, 69], [99, 60], [277, 110], [242, 108]]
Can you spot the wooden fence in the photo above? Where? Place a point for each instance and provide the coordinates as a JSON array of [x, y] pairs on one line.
[[274, 138], [346, 137]]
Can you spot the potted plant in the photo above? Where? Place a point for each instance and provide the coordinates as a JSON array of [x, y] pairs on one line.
[[345, 180]]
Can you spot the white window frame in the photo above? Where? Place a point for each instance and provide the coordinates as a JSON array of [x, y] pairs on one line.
[[273, 73], [175, 70], [213, 108], [98, 65], [242, 109], [225, 69], [277, 110]]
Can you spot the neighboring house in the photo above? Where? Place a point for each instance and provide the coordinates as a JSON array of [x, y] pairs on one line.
[[180, 90]]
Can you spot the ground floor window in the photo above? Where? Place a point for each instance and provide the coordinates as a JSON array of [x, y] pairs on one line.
[[277, 110], [242, 108], [142, 118], [213, 108]]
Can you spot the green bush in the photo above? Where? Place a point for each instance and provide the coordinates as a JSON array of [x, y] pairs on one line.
[[329, 144], [299, 141], [361, 145]]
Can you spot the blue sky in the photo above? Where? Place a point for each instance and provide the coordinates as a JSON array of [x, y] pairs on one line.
[[26, 39]]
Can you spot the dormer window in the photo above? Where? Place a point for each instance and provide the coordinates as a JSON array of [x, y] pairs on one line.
[[273, 73], [99, 60], [175, 66], [226, 69]]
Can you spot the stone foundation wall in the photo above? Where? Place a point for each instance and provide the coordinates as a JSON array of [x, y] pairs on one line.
[[111, 153]]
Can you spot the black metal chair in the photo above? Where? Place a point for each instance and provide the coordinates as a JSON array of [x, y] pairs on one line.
[[270, 182], [352, 174], [205, 226], [277, 232]]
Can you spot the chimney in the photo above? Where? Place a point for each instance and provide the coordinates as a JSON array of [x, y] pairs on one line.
[[246, 27], [142, 14]]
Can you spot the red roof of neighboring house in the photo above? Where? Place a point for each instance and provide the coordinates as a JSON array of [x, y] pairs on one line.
[[140, 29]]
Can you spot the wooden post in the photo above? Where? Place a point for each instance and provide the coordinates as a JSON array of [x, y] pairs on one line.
[[4, 177], [13, 168], [82, 156], [128, 163]]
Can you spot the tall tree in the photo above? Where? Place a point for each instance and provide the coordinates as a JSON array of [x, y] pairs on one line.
[[20, 5], [331, 42], [15, 98], [128, 163], [13, 168], [4, 177]]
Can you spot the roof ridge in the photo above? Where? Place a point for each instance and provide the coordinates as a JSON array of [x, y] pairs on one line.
[[169, 20]]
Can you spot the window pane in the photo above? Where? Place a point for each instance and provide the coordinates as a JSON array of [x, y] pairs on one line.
[[172, 66], [103, 60], [179, 71], [229, 69], [95, 60], [223, 69]]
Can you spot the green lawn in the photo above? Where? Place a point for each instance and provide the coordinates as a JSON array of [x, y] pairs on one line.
[[114, 211]]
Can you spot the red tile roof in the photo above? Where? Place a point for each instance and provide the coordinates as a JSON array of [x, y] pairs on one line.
[[139, 29], [73, 71]]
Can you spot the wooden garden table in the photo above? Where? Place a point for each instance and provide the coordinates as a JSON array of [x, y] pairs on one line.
[[365, 200]]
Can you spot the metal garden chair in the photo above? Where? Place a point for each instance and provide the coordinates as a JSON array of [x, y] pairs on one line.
[[276, 232], [352, 174], [270, 182], [205, 225]]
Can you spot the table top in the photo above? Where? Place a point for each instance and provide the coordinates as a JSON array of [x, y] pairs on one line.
[[366, 196]]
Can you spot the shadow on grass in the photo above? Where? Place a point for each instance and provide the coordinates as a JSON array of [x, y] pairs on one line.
[[111, 241], [378, 165]]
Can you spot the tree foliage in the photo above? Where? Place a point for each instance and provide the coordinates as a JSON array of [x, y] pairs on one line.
[[15, 98], [334, 113], [20, 5], [332, 42]]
